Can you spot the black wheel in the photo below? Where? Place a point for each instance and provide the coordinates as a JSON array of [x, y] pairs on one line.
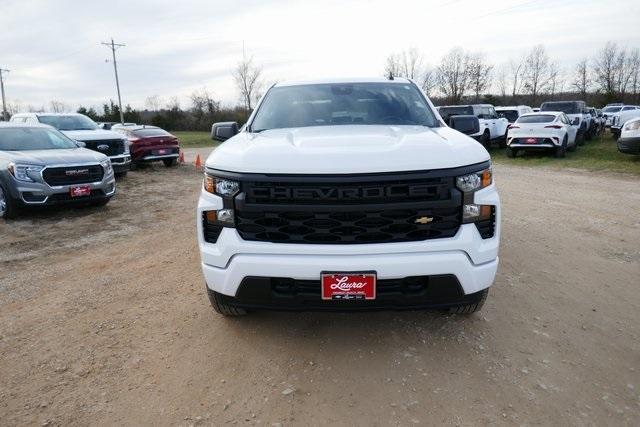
[[562, 150], [566, 142], [8, 205], [503, 142], [511, 153], [580, 138], [223, 308], [121, 174], [170, 162], [472, 307], [100, 202], [486, 139]]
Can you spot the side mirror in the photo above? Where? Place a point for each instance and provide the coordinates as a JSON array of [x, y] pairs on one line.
[[80, 144], [223, 130], [468, 125], [576, 121]]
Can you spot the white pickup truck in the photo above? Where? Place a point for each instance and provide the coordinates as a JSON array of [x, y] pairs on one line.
[[626, 113], [492, 127], [347, 195]]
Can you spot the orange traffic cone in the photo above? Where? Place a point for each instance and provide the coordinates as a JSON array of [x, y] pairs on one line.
[[198, 162], [181, 157]]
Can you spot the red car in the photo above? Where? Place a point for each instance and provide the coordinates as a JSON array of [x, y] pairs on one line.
[[151, 144]]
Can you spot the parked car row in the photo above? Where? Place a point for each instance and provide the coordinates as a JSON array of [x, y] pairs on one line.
[[559, 126], [48, 159]]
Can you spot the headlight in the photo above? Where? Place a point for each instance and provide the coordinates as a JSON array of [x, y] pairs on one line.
[[475, 181], [106, 165], [25, 173], [126, 146], [220, 186], [635, 125]]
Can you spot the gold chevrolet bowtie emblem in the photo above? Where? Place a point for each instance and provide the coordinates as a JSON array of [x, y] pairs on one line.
[[424, 220]]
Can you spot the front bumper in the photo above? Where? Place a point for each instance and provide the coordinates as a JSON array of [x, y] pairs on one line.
[[42, 194], [121, 163], [470, 259], [151, 153], [629, 145]]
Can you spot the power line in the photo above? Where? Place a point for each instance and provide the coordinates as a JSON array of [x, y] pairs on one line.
[[114, 46], [5, 115]]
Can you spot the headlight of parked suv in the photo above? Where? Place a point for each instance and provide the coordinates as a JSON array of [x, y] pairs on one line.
[[126, 146], [469, 184], [226, 189], [25, 173], [635, 125], [106, 166]]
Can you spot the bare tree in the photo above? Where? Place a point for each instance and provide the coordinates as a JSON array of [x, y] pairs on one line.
[[202, 102], [153, 103], [501, 83], [248, 79], [173, 104], [582, 78], [428, 81], [606, 69], [479, 74], [58, 107], [410, 64], [537, 72], [634, 81], [516, 68], [453, 74]]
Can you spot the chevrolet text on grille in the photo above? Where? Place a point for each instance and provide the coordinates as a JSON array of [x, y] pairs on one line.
[[326, 193]]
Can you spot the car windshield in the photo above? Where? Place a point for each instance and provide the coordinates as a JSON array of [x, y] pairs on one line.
[[537, 118], [511, 115], [23, 139], [462, 110], [343, 104], [144, 133], [565, 107], [611, 109], [70, 122]]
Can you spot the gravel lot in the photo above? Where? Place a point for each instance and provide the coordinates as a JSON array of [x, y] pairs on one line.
[[104, 320]]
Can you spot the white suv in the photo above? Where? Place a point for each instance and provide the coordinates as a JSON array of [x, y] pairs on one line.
[[347, 195], [492, 127]]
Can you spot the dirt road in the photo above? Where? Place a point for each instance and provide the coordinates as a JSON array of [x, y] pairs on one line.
[[104, 320]]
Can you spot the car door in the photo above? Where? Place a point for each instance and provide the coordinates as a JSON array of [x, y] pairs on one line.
[[572, 131], [490, 120]]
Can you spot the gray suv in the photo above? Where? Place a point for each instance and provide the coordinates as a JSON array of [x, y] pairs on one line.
[[39, 166]]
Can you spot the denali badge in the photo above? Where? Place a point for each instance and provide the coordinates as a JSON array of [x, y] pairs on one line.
[[75, 172], [103, 147], [424, 220]]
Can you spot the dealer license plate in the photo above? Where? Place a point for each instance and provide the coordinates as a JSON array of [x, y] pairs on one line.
[[348, 286], [80, 191]]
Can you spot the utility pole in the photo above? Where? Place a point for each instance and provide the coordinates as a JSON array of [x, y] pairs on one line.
[[5, 115], [113, 46]]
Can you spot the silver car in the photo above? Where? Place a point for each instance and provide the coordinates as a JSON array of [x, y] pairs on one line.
[[40, 166]]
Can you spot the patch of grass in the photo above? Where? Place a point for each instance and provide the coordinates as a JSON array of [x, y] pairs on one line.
[[189, 139], [600, 154]]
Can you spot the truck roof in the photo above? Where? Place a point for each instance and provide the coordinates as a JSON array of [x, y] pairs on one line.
[[342, 80]]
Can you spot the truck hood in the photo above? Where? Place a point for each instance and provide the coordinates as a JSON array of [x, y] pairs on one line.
[[347, 149], [54, 157], [92, 135]]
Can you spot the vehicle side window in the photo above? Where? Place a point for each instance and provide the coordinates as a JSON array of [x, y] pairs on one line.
[[628, 108], [18, 119], [477, 111], [492, 112], [31, 120]]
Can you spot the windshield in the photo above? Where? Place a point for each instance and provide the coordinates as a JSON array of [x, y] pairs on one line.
[[538, 118], [611, 109], [70, 122], [22, 139], [511, 115], [343, 104], [565, 107], [150, 132]]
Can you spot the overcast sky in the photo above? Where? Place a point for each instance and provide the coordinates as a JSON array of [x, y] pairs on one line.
[[53, 50]]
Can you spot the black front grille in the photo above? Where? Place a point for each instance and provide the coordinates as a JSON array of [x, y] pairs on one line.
[[71, 175], [349, 210], [109, 147]]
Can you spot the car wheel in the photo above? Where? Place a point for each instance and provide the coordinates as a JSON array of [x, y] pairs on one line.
[[580, 138], [170, 162], [566, 142], [472, 307], [511, 153], [223, 308], [562, 150], [8, 206], [101, 202], [486, 139], [121, 174]]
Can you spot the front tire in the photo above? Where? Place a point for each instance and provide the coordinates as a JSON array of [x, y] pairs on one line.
[[486, 139], [511, 153], [472, 307], [580, 138], [121, 174], [8, 205], [170, 162], [562, 150], [223, 308], [566, 142]]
